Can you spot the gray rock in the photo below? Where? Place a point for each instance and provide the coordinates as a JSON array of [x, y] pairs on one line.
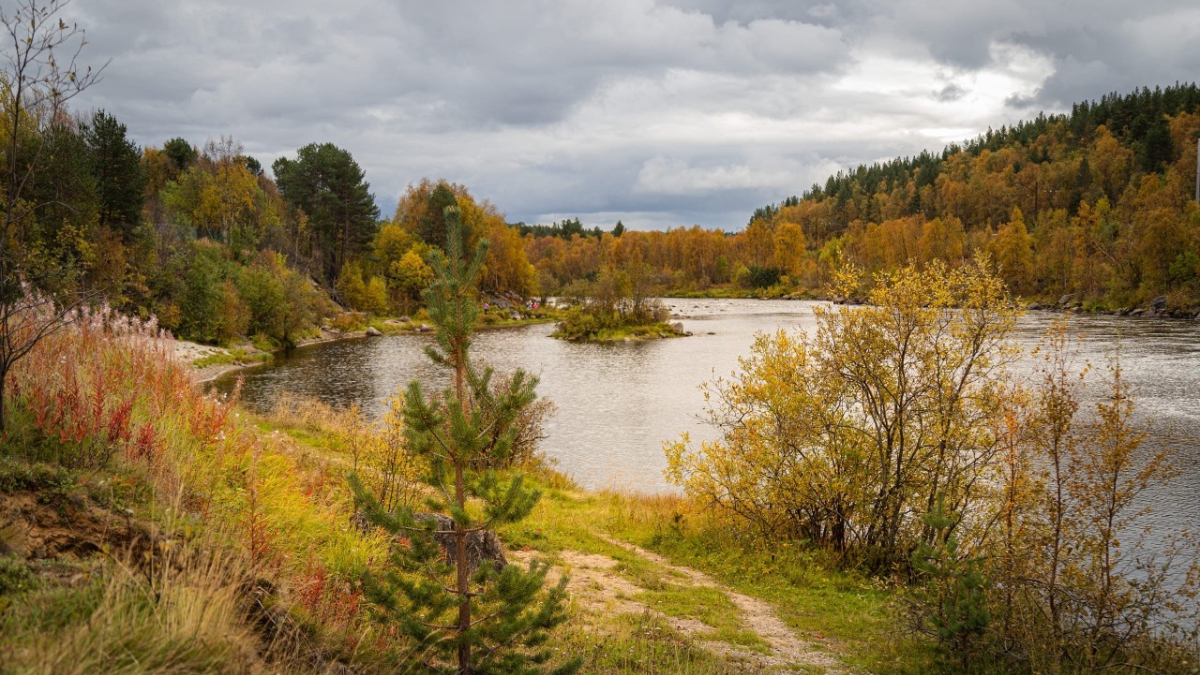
[[404, 319], [677, 327], [1139, 311], [1066, 299], [424, 328], [1034, 306], [482, 545], [1159, 303], [372, 331]]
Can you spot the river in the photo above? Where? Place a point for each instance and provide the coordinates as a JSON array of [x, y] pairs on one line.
[[617, 403]]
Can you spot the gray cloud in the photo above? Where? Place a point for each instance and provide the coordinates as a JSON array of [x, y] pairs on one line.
[[653, 112]]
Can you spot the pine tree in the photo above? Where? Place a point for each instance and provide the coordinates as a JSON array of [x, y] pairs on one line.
[[487, 620], [117, 169]]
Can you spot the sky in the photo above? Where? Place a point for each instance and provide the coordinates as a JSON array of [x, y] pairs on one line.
[[658, 114]]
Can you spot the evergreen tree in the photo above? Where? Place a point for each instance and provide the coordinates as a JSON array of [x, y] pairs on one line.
[[432, 225], [327, 184], [469, 621], [57, 236], [117, 168], [181, 153]]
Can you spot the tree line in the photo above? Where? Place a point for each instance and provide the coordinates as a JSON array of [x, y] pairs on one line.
[[1097, 203], [201, 237]]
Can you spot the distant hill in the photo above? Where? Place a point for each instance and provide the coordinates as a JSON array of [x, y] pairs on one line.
[[1098, 202]]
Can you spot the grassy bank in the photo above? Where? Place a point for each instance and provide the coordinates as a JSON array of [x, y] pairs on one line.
[[146, 527]]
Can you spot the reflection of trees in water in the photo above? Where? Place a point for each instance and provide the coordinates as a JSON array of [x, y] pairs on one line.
[[337, 374]]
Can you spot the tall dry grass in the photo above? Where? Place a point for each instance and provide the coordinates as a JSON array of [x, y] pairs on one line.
[[106, 395]]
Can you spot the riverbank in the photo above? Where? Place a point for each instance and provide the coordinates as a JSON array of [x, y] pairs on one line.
[[176, 531], [246, 522], [211, 362]]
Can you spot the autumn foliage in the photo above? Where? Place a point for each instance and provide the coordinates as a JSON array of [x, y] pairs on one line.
[[900, 437]]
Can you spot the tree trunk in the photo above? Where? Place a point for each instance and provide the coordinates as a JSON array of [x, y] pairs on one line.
[[3, 394], [464, 590], [460, 532]]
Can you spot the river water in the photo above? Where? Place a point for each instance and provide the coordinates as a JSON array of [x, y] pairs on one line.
[[617, 403]]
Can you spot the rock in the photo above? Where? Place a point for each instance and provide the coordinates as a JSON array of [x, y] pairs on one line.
[[677, 327], [1159, 303], [1034, 307], [372, 331], [404, 319], [712, 333], [1138, 312], [424, 328], [515, 316], [482, 545], [1124, 311], [1066, 299]]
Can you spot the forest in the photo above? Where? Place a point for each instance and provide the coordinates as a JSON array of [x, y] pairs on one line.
[[1097, 203]]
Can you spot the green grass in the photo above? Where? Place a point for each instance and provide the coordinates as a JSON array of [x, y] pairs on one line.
[[849, 613], [653, 331], [642, 644], [707, 605]]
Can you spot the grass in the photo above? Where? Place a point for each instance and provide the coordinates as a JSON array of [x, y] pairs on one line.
[[643, 644], [707, 605], [104, 421], [235, 356], [236, 500], [850, 614], [654, 331]]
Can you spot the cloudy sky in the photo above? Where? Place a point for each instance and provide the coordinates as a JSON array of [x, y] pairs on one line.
[[657, 113]]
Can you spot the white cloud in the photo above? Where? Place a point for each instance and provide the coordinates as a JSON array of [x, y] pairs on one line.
[[692, 111]]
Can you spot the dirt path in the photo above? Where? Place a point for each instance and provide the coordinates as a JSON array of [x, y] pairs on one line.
[[597, 587]]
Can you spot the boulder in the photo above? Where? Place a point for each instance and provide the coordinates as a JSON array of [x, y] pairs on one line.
[[482, 545], [1066, 299], [677, 327], [1159, 303], [1033, 307], [372, 331], [424, 328]]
